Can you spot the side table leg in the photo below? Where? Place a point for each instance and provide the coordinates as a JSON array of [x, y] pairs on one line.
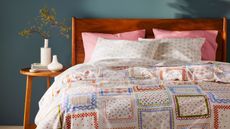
[[48, 82], [27, 102]]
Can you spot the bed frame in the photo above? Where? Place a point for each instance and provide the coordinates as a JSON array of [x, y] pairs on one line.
[[122, 25]]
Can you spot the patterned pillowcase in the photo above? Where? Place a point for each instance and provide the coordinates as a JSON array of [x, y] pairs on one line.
[[209, 47], [90, 39], [184, 49], [114, 49]]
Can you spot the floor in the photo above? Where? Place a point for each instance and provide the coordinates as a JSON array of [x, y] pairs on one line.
[[11, 127]]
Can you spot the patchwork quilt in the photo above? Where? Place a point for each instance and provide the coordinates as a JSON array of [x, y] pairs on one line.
[[138, 94]]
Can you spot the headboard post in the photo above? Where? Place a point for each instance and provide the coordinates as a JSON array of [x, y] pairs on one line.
[[224, 38], [74, 43]]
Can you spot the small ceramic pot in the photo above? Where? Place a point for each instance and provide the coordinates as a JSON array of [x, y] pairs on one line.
[[55, 65]]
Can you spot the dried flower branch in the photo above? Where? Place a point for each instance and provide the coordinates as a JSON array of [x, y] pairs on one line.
[[44, 22], [29, 31]]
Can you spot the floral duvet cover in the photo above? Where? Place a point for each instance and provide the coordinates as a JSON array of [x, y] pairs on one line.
[[138, 94]]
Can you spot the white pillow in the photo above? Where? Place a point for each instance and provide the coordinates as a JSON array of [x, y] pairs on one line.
[[183, 49], [111, 49]]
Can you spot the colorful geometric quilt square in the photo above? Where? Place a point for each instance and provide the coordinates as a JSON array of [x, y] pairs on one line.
[[113, 74], [194, 126], [178, 83], [213, 86], [119, 109], [219, 97], [144, 82], [222, 116], [86, 120], [141, 88], [160, 118], [115, 91], [111, 83], [153, 98], [192, 106], [80, 102], [193, 89]]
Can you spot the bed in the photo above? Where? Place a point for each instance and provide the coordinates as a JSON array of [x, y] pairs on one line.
[[139, 93]]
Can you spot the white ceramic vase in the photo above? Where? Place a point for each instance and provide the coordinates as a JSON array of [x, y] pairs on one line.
[[55, 65], [45, 54]]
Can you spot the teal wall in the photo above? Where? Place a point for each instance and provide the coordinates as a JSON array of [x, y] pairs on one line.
[[17, 52]]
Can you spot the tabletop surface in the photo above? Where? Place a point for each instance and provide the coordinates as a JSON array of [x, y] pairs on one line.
[[26, 71]]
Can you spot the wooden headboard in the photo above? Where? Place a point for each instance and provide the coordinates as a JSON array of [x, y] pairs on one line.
[[122, 25]]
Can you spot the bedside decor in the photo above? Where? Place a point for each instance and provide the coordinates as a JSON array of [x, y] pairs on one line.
[[55, 65], [28, 96], [45, 57], [44, 24]]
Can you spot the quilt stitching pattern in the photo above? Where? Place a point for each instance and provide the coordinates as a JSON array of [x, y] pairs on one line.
[[219, 97], [194, 126], [124, 128], [120, 109], [178, 83], [115, 91], [211, 86], [144, 82], [82, 120], [185, 89], [221, 116], [80, 102], [114, 75], [107, 82], [192, 106], [157, 98], [155, 118], [140, 88]]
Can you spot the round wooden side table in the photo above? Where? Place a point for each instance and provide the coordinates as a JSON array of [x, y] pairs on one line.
[[29, 77]]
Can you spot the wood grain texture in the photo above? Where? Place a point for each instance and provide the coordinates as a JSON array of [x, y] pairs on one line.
[[224, 38], [27, 102], [26, 71], [122, 25]]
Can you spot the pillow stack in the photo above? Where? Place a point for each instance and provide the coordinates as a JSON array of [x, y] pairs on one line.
[[189, 46], [209, 47]]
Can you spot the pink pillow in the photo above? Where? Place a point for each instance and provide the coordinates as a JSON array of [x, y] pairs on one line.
[[208, 49], [90, 39]]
